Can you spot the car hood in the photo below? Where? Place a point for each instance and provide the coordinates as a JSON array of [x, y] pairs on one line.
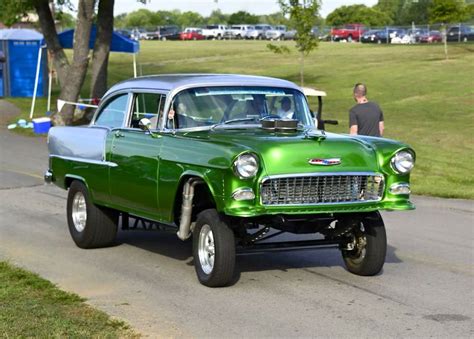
[[284, 153]]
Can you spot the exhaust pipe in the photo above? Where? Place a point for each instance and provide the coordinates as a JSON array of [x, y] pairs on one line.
[[184, 231]]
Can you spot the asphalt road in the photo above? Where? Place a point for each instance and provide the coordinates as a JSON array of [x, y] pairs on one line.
[[148, 279]]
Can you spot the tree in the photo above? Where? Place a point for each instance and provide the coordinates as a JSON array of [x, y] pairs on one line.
[[71, 75], [446, 12], [358, 14], [100, 56], [217, 17], [414, 12], [303, 14], [243, 17], [189, 18], [140, 18], [392, 8], [274, 19]]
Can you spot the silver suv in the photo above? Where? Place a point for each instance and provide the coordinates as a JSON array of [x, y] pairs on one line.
[[258, 32], [276, 33], [237, 31]]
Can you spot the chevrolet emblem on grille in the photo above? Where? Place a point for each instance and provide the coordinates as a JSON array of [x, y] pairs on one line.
[[325, 162]]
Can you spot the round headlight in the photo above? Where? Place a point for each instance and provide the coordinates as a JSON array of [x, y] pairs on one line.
[[246, 165], [403, 162]]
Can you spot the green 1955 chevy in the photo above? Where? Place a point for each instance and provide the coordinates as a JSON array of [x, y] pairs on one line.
[[231, 161]]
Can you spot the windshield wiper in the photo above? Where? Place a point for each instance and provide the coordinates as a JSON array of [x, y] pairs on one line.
[[231, 122]]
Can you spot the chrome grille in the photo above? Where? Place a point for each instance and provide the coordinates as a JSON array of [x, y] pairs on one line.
[[322, 189]]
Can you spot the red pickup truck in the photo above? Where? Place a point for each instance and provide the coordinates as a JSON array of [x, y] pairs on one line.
[[348, 32]]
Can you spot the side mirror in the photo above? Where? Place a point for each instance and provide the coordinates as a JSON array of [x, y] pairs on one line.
[[144, 124]]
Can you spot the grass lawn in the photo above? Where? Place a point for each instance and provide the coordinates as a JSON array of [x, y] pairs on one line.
[[33, 307], [428, 101]]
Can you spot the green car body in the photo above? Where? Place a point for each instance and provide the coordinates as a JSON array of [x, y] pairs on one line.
[[146, 171]]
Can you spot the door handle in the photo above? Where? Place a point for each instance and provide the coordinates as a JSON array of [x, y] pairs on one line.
[[119, 134]]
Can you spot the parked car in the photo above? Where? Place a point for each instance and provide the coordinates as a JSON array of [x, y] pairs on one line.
[[189, 33], [276, 33], [289, 35], [323, 34], [461, 33], [214, 31], [210, 157], [376, 36], [169, 32], [237, 31], [152, 35], [430, 37], [258, 32], [349, 32]]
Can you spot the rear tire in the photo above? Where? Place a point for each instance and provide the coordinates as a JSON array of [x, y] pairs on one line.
[[368, 256], [91, 226], [213, 249]]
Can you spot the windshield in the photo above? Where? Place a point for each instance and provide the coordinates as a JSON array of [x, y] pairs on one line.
[[236, 105]]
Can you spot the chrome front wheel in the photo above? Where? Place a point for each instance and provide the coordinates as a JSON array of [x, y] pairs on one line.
[[206, 250], [213, 249]]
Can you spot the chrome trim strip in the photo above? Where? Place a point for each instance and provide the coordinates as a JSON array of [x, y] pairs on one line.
[[297, 175], [87, 161]]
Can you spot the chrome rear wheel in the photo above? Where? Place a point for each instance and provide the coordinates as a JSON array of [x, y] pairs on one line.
[[79, 211]]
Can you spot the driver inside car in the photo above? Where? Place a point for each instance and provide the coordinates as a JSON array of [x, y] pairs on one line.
[[285, 112]]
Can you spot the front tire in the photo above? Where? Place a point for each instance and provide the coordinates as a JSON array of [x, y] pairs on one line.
[[91, 226], [213, 249], [370, 247]]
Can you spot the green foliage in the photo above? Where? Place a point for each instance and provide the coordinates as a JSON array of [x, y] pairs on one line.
[[65, 20], [243, 17], [13, 11], [392, 8], [274, 19], [358, 14], [303, 14], [140, 18], [448, 11], [278, 49], [414, 11], [217, 17], [187, 19]]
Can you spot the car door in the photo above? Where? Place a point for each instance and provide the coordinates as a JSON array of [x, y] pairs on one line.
[[134, 181]]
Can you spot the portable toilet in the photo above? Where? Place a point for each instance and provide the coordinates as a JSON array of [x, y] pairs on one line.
[[19, 51]]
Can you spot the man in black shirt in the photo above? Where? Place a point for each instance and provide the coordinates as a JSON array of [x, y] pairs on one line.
[[365, 118]]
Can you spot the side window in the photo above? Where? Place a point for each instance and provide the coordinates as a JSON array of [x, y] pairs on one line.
[[113, 113], [147, 105]]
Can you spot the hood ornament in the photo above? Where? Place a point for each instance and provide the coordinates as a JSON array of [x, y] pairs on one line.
[[325, 162]]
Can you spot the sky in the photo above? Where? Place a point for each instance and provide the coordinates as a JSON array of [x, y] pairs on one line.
[[205, 7]]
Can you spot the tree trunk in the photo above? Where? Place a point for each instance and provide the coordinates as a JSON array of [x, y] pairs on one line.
[[60, 61], [100, 57], [71, 76], [445, 41], [302, 69]]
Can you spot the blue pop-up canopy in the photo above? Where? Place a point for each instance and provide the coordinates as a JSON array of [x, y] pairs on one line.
[[119, 42]]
